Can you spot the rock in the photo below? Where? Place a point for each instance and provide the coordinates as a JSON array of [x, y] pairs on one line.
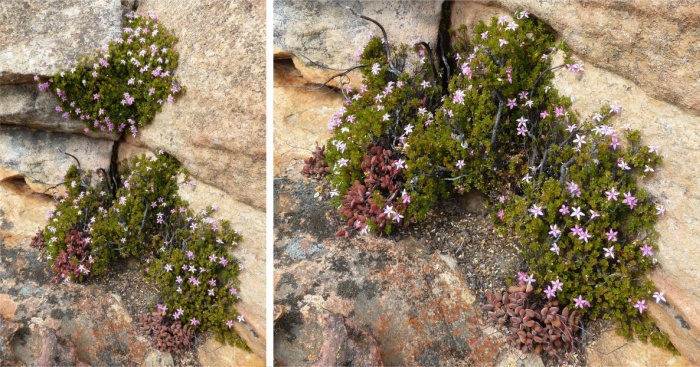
[[213, 353], [418, 309], [217, 129], [40, 37], [328, 34], [48, 163], [672, 319], [612, 349], [56, 350], [94, 321], [156, 358], [250, 222], [23, 104], [7, 332], [346, 344], [300, 116]]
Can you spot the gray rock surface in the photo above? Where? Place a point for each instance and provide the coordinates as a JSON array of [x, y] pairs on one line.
[[39, 157], [25, 105], [40, 37]]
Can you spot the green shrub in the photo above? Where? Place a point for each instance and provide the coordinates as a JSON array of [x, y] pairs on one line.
[[138, 213], [122, 86]]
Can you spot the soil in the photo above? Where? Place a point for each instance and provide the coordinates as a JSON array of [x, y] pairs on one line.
[[460, 228]]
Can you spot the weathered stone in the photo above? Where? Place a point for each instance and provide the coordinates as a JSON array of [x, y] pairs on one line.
[[299, 117], [614, 350], [23, 213], [23, 104], [250, 253], [56, 350], [156, 358], [416, 306], [676, 321], [217, 129], [38, 156], [213, 353], [7, 331], [345, 344], [328, 34], [40, 37]]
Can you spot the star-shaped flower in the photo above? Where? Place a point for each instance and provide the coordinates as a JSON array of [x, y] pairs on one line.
[[550, 292], [580, 302], [647, 250], [580, 139], [630, 200], [612, 194], [556, 284], [577, 213], [554, 248], [564, 210], [615, 107], [641, 305], [610, 251], [612, 235], [659, 296], [554, 231], [511, 103]]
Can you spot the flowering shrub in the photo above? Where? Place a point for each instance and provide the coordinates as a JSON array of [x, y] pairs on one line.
[[138, 212], [566, 184], [123, 86]]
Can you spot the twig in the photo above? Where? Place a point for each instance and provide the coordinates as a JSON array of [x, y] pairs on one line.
[[387, 50]]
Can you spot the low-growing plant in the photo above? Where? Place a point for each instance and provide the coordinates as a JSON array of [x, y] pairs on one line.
[[121, 87], [491, 120], [534, 327], [138, 212]]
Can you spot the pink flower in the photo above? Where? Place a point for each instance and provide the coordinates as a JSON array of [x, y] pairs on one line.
[[630, 200], [558, 111], [647, 250], [229, 323], [581, 303], [550, 292], [641, 305], [556, 284], [612, 235], [194, 322]]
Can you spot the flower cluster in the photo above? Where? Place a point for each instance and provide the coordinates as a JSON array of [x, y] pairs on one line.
[[199, 280], [138, 212], [121, 88], [566, 184]]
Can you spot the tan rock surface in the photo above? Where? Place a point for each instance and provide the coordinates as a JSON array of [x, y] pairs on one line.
[[300, 116], [215, 354], [40, 37], [614, 350], [217, 129], [327, 33]]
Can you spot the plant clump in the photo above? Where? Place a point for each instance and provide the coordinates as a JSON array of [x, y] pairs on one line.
[[491, 120], [534, 327], [120, 88], [137, 212]]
